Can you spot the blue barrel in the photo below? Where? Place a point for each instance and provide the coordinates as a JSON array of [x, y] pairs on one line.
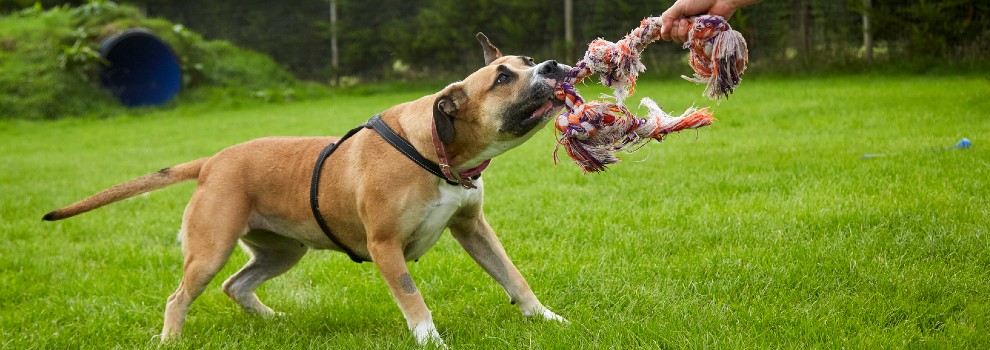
[[142, 71]]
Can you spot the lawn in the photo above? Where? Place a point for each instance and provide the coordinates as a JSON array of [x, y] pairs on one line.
[[768, 229]]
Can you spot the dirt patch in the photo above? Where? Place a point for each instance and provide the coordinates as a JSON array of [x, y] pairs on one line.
[[8, 44]]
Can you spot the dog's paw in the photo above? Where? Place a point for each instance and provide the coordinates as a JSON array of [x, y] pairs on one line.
[[546, 314], [261, 310], [549, 315], [167, 337], [271, 314], [426, 333]]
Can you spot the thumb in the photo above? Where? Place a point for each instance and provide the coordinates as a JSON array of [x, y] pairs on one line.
[[721, 9]]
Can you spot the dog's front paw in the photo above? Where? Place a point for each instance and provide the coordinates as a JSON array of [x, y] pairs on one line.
[[167, 336], [545, 313], [549, 315], [426, 333]]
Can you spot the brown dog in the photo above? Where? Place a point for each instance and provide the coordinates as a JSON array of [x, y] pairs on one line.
[[378, 203]]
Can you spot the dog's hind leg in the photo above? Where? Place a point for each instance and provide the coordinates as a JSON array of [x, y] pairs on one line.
[[271, 255], [211, 228]]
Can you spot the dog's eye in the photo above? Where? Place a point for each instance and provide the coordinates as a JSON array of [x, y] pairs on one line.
[[530, 62], [502, 79]]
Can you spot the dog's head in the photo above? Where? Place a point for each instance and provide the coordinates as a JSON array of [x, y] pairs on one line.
[[502, 104]]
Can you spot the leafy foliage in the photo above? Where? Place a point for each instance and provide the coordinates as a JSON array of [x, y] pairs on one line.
[[435, 37], [50, 61], [936, 29], [79, 59]]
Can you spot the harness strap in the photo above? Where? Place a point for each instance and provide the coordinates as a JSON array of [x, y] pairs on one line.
[[314, 193], [399, 144], [410, 152]]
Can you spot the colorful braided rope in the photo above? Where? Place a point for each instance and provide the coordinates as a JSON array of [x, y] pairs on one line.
[[718, 56], [592, 132]]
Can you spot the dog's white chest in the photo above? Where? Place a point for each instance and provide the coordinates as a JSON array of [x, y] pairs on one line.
[[437, 215]]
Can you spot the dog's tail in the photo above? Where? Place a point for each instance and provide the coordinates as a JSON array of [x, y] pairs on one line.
[[147, 183]]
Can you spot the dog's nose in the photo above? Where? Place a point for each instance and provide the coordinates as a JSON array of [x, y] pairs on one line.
[[548, 67]]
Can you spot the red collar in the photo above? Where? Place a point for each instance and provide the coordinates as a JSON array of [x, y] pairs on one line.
[[461, 177]]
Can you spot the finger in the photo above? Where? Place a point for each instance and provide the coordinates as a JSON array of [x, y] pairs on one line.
[[680, 30], [675, 32], [666, 24]]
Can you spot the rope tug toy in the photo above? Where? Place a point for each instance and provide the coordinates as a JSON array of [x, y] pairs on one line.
[[593, 132]]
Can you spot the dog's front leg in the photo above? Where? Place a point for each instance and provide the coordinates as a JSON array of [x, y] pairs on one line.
[[392, 264], [479, 240]]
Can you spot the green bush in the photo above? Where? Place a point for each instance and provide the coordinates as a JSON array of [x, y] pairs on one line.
[[50, 62]]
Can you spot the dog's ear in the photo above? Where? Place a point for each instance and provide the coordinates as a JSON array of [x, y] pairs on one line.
[[445, 109], [491, 52]]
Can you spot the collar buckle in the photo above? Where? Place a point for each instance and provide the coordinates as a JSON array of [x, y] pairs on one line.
[[453, 175]]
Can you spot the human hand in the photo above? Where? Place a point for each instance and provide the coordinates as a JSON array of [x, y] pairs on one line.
[[676, 22]]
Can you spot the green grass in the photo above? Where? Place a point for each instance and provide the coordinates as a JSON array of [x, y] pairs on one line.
[[766, 230]]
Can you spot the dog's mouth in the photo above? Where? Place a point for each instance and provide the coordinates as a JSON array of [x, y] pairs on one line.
[[547, 109], [540, 106], [551, 106]]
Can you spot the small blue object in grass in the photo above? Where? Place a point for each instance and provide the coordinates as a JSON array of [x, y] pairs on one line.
[[872, 155], [963, 144]]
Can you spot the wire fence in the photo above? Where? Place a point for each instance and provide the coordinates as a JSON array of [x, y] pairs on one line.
[[417, 39]]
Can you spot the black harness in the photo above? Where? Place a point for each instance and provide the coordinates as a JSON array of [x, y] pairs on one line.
[[393, 139]]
